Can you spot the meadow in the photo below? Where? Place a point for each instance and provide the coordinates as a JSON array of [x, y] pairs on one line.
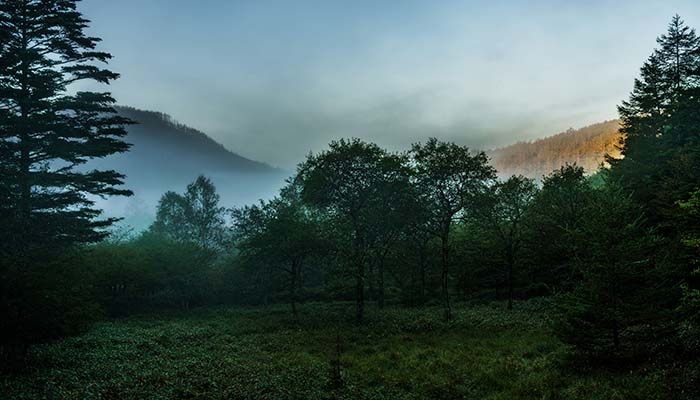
[[486, 352]]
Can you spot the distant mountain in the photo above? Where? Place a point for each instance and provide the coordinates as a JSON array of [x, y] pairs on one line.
[[586, 147], [167, 155]]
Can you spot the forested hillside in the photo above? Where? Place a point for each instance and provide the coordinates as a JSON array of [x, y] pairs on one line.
[[159, 140], [586, 147], [167, 155]]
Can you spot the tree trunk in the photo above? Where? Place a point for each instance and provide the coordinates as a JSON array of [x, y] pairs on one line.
[[380, 294], [360, 273], [510, 286], [25, 162], [295, 314], [371, 290], [445, 279], [422, 274], [510, 261], [360, 292], [293, 289]]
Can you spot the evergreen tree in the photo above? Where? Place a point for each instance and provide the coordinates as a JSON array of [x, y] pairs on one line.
[[659, 125], [622, 307], [47, 134], [691, 239]]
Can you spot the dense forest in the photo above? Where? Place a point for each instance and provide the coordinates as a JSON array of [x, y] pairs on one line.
[[585, 147], [372, 274]]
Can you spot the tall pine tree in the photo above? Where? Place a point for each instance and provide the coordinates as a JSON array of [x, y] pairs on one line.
[[659, 125], [48, 133]]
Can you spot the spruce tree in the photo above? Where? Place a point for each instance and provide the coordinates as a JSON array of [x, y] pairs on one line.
[[659, 125], [622, 307], [48, 132]]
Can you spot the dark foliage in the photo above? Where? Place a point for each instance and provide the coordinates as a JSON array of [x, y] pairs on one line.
[[47, 200], [617, 251]]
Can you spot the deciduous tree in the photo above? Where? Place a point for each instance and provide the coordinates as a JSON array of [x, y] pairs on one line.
[[448, 178]]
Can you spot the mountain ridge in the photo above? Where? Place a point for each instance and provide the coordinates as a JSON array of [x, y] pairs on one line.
[[167, 155], [586, 147], [158, 125]]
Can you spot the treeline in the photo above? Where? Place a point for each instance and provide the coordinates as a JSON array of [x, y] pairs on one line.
[[585, 147], [356, 222], [434, 224]]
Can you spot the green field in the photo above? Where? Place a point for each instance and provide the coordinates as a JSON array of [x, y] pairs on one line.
[[263, 353]]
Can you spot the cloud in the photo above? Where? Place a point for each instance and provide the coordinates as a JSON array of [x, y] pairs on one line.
[[273, 80]]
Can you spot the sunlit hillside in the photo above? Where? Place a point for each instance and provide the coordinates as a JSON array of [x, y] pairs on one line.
[[586, 147]]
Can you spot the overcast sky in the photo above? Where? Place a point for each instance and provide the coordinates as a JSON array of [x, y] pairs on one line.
[[272, 80]]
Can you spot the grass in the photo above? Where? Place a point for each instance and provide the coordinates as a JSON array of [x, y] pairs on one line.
[[487, 352]]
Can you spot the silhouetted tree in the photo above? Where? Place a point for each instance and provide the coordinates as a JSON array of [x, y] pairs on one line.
[[193, 217], [448, 177], [556, 219], [503, 211], [659, 125], [281, 234], [392, 211], [46, 133], [345, 181], [622, 308]]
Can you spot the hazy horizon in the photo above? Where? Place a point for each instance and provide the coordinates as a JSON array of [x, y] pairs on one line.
[[273, 81]]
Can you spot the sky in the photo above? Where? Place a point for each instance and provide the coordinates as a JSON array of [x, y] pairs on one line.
[[273, 80]]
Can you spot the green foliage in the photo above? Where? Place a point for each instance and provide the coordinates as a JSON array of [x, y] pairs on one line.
[[252, 353], [194, 217], [448, 180], [555, 241], [622, 306], [503, 214], [151, 272], [44, 296], [691, 239], [659, 126], [46, 133], [281, 235], [348, 182]]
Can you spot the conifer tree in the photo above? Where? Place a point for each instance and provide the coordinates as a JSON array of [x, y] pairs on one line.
[[48, 133], [622, 306], [691, 239], [659, 125]]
